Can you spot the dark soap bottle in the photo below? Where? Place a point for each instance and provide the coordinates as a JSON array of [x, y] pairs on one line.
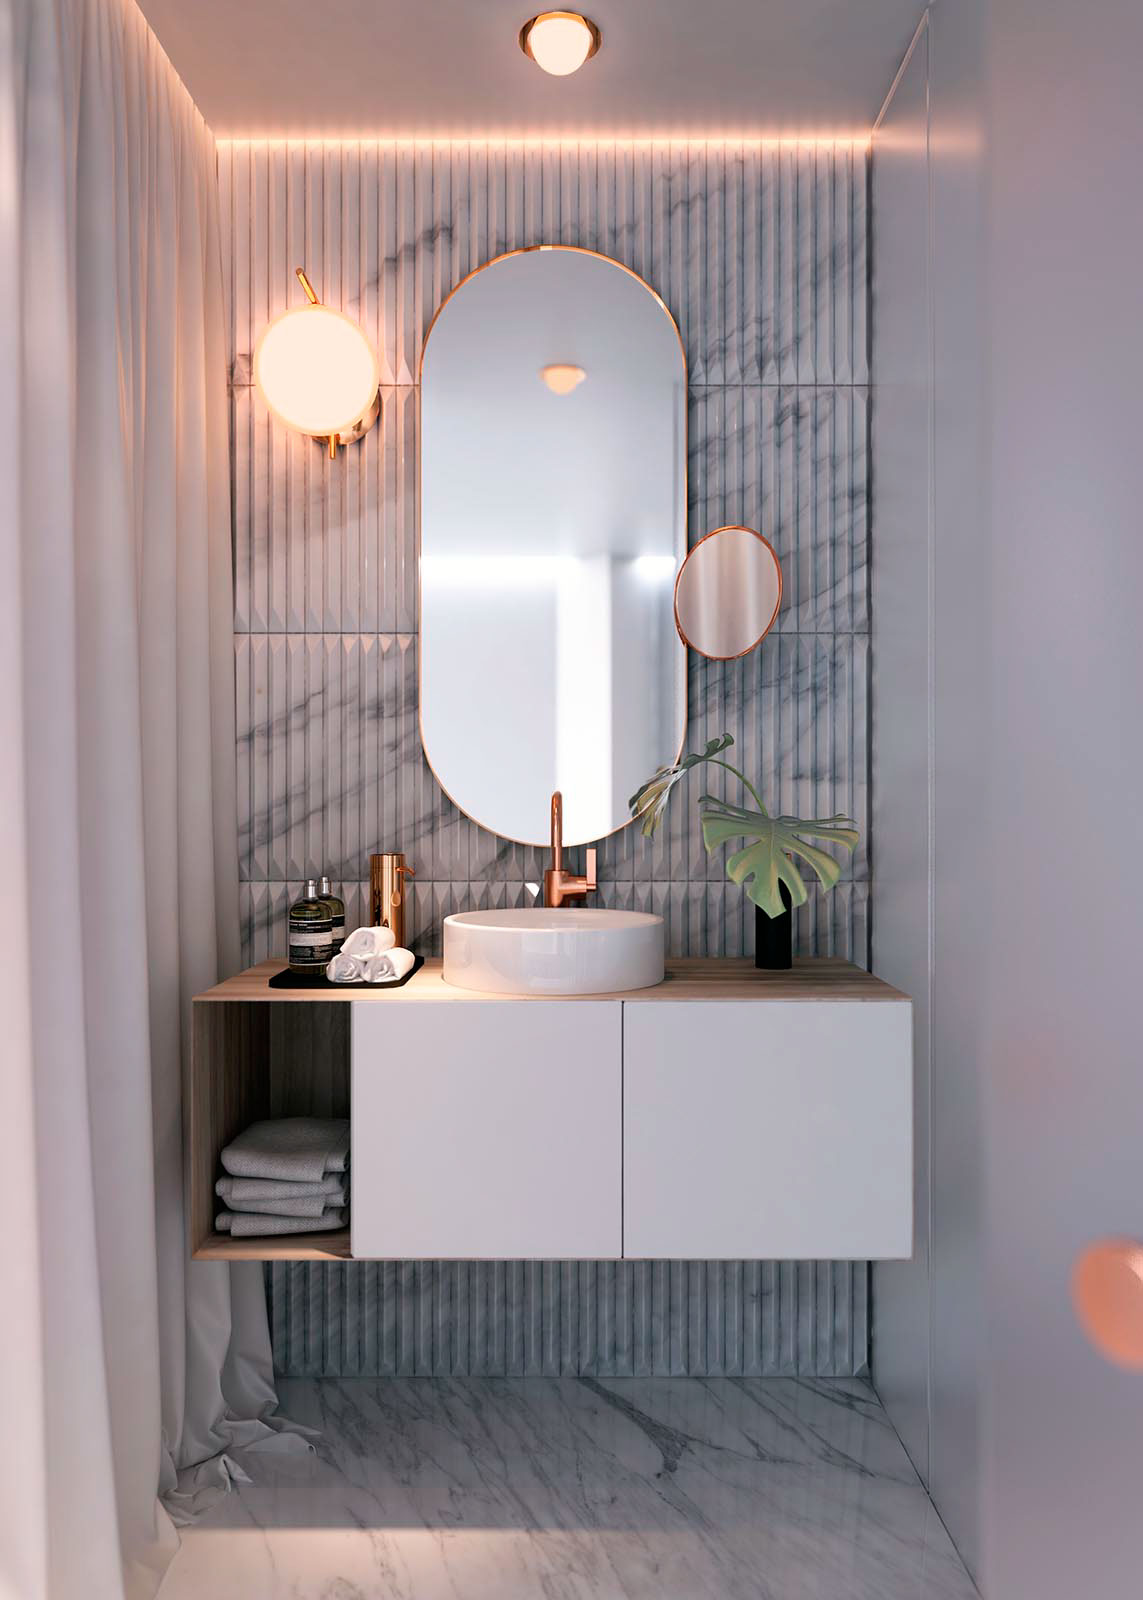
[[311, 932], [337, 909]]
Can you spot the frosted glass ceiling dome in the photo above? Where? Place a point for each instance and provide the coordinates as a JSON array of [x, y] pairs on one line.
[[560, 41]]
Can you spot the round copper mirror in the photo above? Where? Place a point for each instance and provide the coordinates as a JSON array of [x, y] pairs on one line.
[[727, 593]]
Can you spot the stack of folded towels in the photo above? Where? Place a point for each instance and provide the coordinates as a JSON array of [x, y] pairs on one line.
[[290, 1175], [369, 956]]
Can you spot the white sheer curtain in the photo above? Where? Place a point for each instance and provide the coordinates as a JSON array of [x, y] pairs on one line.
[[126, 1370]]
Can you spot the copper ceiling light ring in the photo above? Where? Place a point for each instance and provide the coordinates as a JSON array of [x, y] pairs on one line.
[[594, 37]]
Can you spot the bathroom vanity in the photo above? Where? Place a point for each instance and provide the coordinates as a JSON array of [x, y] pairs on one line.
[[562, 1096], [723, 1113]]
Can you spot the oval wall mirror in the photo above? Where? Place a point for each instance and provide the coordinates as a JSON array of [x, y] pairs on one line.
[[553, 521], [728, 593]]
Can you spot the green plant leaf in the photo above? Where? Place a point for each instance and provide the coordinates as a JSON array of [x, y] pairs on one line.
[[649, 802], [729, 808], [766, 864]]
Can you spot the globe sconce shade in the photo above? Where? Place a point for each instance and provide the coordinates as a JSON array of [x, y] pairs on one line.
[[560, 42], [318, 373]]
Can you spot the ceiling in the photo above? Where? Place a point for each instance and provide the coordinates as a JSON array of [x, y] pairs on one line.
[[423, 68]]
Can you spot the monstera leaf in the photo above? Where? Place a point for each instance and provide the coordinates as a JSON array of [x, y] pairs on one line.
[[649, 802], [768, 862]]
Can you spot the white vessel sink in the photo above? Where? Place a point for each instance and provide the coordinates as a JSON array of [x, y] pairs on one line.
[[575, 950]]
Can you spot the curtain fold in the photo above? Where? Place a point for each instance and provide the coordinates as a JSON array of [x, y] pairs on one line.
[[126, 1367]]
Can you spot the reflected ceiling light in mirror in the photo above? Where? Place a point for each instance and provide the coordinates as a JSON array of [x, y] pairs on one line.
[[655, 569], [560, 41], [318, 372], [530, 572], [494, 572], [561, 377]]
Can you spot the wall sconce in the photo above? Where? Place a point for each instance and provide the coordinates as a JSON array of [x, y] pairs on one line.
[[318, 372]]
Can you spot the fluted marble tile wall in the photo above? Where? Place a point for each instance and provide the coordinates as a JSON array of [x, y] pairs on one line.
[[760, 253], [532, 1319]]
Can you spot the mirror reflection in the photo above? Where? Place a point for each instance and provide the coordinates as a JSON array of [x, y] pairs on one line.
[[553, 520], [728, 593]]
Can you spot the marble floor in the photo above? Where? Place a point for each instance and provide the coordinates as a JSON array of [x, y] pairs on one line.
[[565, 1489]]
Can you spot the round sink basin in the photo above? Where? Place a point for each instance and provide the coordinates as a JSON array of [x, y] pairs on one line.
[[575, 950]]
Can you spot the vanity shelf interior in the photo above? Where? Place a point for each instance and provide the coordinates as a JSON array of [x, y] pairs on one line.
[[253, 1060]]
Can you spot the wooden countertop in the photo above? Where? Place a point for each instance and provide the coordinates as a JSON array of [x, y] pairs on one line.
[[689, 978]]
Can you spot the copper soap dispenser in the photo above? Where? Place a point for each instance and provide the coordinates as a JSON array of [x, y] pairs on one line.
[[387, 874]]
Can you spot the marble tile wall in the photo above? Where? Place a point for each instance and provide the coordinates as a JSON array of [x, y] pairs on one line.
[[760, 254], [550, 1319]]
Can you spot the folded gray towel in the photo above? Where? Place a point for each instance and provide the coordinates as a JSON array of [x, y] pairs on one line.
[[243, 1226], [238, 1192], [296, 1149], [300, 1206]]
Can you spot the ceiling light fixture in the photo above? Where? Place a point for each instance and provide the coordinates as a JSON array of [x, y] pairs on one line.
[[560, 41], [562, 378], [318, 372]]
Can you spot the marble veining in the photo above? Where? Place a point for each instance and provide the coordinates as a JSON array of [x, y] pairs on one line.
[[760, 254], [588, 1489]]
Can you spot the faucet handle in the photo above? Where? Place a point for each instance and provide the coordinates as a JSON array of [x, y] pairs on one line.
[[590, 874]]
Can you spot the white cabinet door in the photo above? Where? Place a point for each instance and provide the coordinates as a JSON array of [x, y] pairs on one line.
[[487, 1129], [768, 1131]]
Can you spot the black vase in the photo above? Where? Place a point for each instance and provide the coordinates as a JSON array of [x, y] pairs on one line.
[[773, 937]]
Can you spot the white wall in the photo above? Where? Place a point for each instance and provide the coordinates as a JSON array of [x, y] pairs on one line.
[[1063, 1068], [963, 606], [931, 691], [902, 686], [1033, 1448]]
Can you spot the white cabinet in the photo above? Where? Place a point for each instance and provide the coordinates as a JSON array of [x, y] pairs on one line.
[[487, 1129], [683, 1128], [768, 1130]]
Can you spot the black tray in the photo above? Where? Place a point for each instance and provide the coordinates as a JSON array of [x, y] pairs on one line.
[[318, 980]]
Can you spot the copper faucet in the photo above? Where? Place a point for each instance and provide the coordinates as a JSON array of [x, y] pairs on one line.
[[558, 884]]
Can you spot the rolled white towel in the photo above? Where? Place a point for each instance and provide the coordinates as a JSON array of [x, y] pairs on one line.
[[368, 942], [389, 968], [346, 969]]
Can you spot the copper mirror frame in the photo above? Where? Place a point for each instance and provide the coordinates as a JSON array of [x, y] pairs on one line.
[[680, 585], [672, 750]]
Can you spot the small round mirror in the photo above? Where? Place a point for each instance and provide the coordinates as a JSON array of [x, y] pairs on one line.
[[727, 593]]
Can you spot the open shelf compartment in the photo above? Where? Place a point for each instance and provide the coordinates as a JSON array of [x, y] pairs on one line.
[[254, 1059]]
